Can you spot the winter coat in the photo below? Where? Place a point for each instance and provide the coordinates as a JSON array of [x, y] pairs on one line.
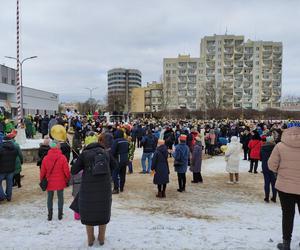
[[66, 150], [160, 165], [254, 146], [44, 126], [284, 161], [149, 143], [245, 139], [119, 150], [265, 154], [181, 154], [95, 196], [196, 158], [43, 150], [169, 138], [232, 156], [8, 156], [19, 160], [56, 169]]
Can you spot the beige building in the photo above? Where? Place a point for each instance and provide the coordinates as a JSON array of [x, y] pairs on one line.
[[180, 82], [147, 99], [235, 74]]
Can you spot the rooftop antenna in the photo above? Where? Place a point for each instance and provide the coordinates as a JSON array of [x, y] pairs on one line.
[[226, 31]]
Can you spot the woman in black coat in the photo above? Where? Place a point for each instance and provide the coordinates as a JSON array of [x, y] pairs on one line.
[[95, 197], [161, 167]]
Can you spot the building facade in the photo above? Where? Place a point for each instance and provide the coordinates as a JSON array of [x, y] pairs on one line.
[[120, 84], [180, 82], [34, 100], [238, 74], [147, 99]]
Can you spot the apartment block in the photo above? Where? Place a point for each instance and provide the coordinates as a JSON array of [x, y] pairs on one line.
[[236, 74], [180, 82], [147, 99]]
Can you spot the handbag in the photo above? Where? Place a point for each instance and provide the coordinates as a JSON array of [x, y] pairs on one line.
[[44, 181]]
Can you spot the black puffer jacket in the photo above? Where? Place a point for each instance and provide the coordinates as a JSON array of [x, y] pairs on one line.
[[8, 156], [43, 151], [95, 195]]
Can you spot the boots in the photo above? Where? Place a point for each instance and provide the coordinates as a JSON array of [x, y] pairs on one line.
[[159, 195], [101, 234], [286, 245], [90, 235], [163, 194], [50, 214], [60, 214]]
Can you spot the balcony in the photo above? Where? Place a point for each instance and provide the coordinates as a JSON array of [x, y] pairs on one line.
[[210, 57], [228, 70], [267, 48], [238, 71], [247, 85], [228, 84], [248, 51], [248, 93], [249, 64], [238, 43], [192, 65], [248, 57], [266, 99], [228, 78], [238, 99], [182, 87], [211, 43], [210, 51], [182, 93], [182, 65], [228, 42], [276, 92], [210, 78], [238, 77], [238, 84], [267, 56], [228, 50], [228, 64], [238, 57], [266, 84], [228, 56], [210, 64]]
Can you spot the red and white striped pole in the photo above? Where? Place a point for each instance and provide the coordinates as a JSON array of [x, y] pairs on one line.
[[19, 87]]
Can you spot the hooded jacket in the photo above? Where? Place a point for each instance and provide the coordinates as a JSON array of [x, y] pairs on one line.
[[56, 169], [160, 165], [181, 154], [8, 156], [265, 153], [284, 161], [232, 155]]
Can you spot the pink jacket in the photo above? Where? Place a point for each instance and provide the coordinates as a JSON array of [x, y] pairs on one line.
[[285, 161]]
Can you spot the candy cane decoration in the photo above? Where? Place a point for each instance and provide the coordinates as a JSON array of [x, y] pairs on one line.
[[19, 90]]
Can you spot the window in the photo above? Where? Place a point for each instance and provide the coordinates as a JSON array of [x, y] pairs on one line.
[[219, 71], [219, 49], [4, 79], [257, 63], [257, 48]]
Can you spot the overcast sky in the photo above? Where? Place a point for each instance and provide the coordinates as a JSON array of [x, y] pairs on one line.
[[77, 41]]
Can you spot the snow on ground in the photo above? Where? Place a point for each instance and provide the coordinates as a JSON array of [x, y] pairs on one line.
[[212, 215]]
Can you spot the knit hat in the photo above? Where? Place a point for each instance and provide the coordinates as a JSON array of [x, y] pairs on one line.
[[12, 134], [182, 137]]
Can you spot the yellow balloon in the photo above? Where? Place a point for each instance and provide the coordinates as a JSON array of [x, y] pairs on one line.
[[223, 148], [59, 133]]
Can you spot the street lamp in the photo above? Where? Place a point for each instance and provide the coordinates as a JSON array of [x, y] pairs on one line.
[[21, 75], [91, 91]]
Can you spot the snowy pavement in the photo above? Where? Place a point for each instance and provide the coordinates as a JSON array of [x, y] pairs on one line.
[[213, 215]]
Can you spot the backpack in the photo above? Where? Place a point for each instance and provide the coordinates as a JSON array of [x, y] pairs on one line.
[[100, 165]]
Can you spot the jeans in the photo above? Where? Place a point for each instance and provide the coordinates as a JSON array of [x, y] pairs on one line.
[[60, 196], [149, 157], [130, 169], [246, 154], [288, 203], [9, 184], [270, 179]]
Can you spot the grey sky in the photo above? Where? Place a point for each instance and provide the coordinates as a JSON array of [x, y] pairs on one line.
[[77, 41]]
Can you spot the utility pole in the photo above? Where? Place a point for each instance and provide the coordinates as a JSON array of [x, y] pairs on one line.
[[91, 91], [19, 87]]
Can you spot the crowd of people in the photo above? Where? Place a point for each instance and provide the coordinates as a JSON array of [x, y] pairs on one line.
[[103, 153]]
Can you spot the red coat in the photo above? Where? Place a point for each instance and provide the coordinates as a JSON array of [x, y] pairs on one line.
[[255, 146], [60, 174]]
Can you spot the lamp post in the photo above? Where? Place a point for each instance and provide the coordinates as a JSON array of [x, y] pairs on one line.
[[91, 91], [20, 63]]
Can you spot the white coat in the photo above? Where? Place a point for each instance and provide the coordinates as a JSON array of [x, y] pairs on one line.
[[232, 155]]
